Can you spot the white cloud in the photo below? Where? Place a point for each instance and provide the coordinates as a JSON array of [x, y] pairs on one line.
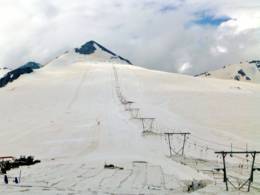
[[184, 67], [155, 34], [221, 49], [218, 50]]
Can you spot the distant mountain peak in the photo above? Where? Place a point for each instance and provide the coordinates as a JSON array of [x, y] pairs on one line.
[[91, 46], [244, 71], [87, 48]]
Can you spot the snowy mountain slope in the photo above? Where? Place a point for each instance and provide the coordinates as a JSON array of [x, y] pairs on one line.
[[8, 76], [90, 51], [70, 115], [248, 72]]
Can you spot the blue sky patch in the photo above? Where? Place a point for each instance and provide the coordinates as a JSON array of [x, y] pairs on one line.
[[205, 18]]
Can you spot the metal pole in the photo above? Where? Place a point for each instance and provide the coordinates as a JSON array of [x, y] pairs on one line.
[[225, 171], [169, 142], [252, 172], [184, 140], [20, 174], [143, 125]]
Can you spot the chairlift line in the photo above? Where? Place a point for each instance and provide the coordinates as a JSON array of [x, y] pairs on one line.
[[203, 148], [227, 181]]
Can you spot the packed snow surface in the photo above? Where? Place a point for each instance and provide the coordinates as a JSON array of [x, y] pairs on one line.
[[71, 115]]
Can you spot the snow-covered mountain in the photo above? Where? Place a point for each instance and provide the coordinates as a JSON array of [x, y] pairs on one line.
[[80, 112], [247, 71], [90, 51], [100, 53]]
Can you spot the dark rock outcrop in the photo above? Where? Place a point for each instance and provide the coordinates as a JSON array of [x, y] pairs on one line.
[[248, 78], [256, 62], [86, 49], [89, 48], [16, 73], [237, 77], [241, 72]]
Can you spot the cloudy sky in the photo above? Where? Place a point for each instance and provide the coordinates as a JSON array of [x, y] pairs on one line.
[[186, 36]]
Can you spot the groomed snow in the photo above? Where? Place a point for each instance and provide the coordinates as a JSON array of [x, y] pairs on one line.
[[69, 115]]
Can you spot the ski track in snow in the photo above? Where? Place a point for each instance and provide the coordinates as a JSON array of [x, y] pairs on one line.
[[76, 93]]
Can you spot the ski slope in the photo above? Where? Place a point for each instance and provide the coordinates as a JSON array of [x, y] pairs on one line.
[[70, 115]]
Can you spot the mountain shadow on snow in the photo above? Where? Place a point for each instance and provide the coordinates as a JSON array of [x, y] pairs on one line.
[[16, 73], [90, 47]]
